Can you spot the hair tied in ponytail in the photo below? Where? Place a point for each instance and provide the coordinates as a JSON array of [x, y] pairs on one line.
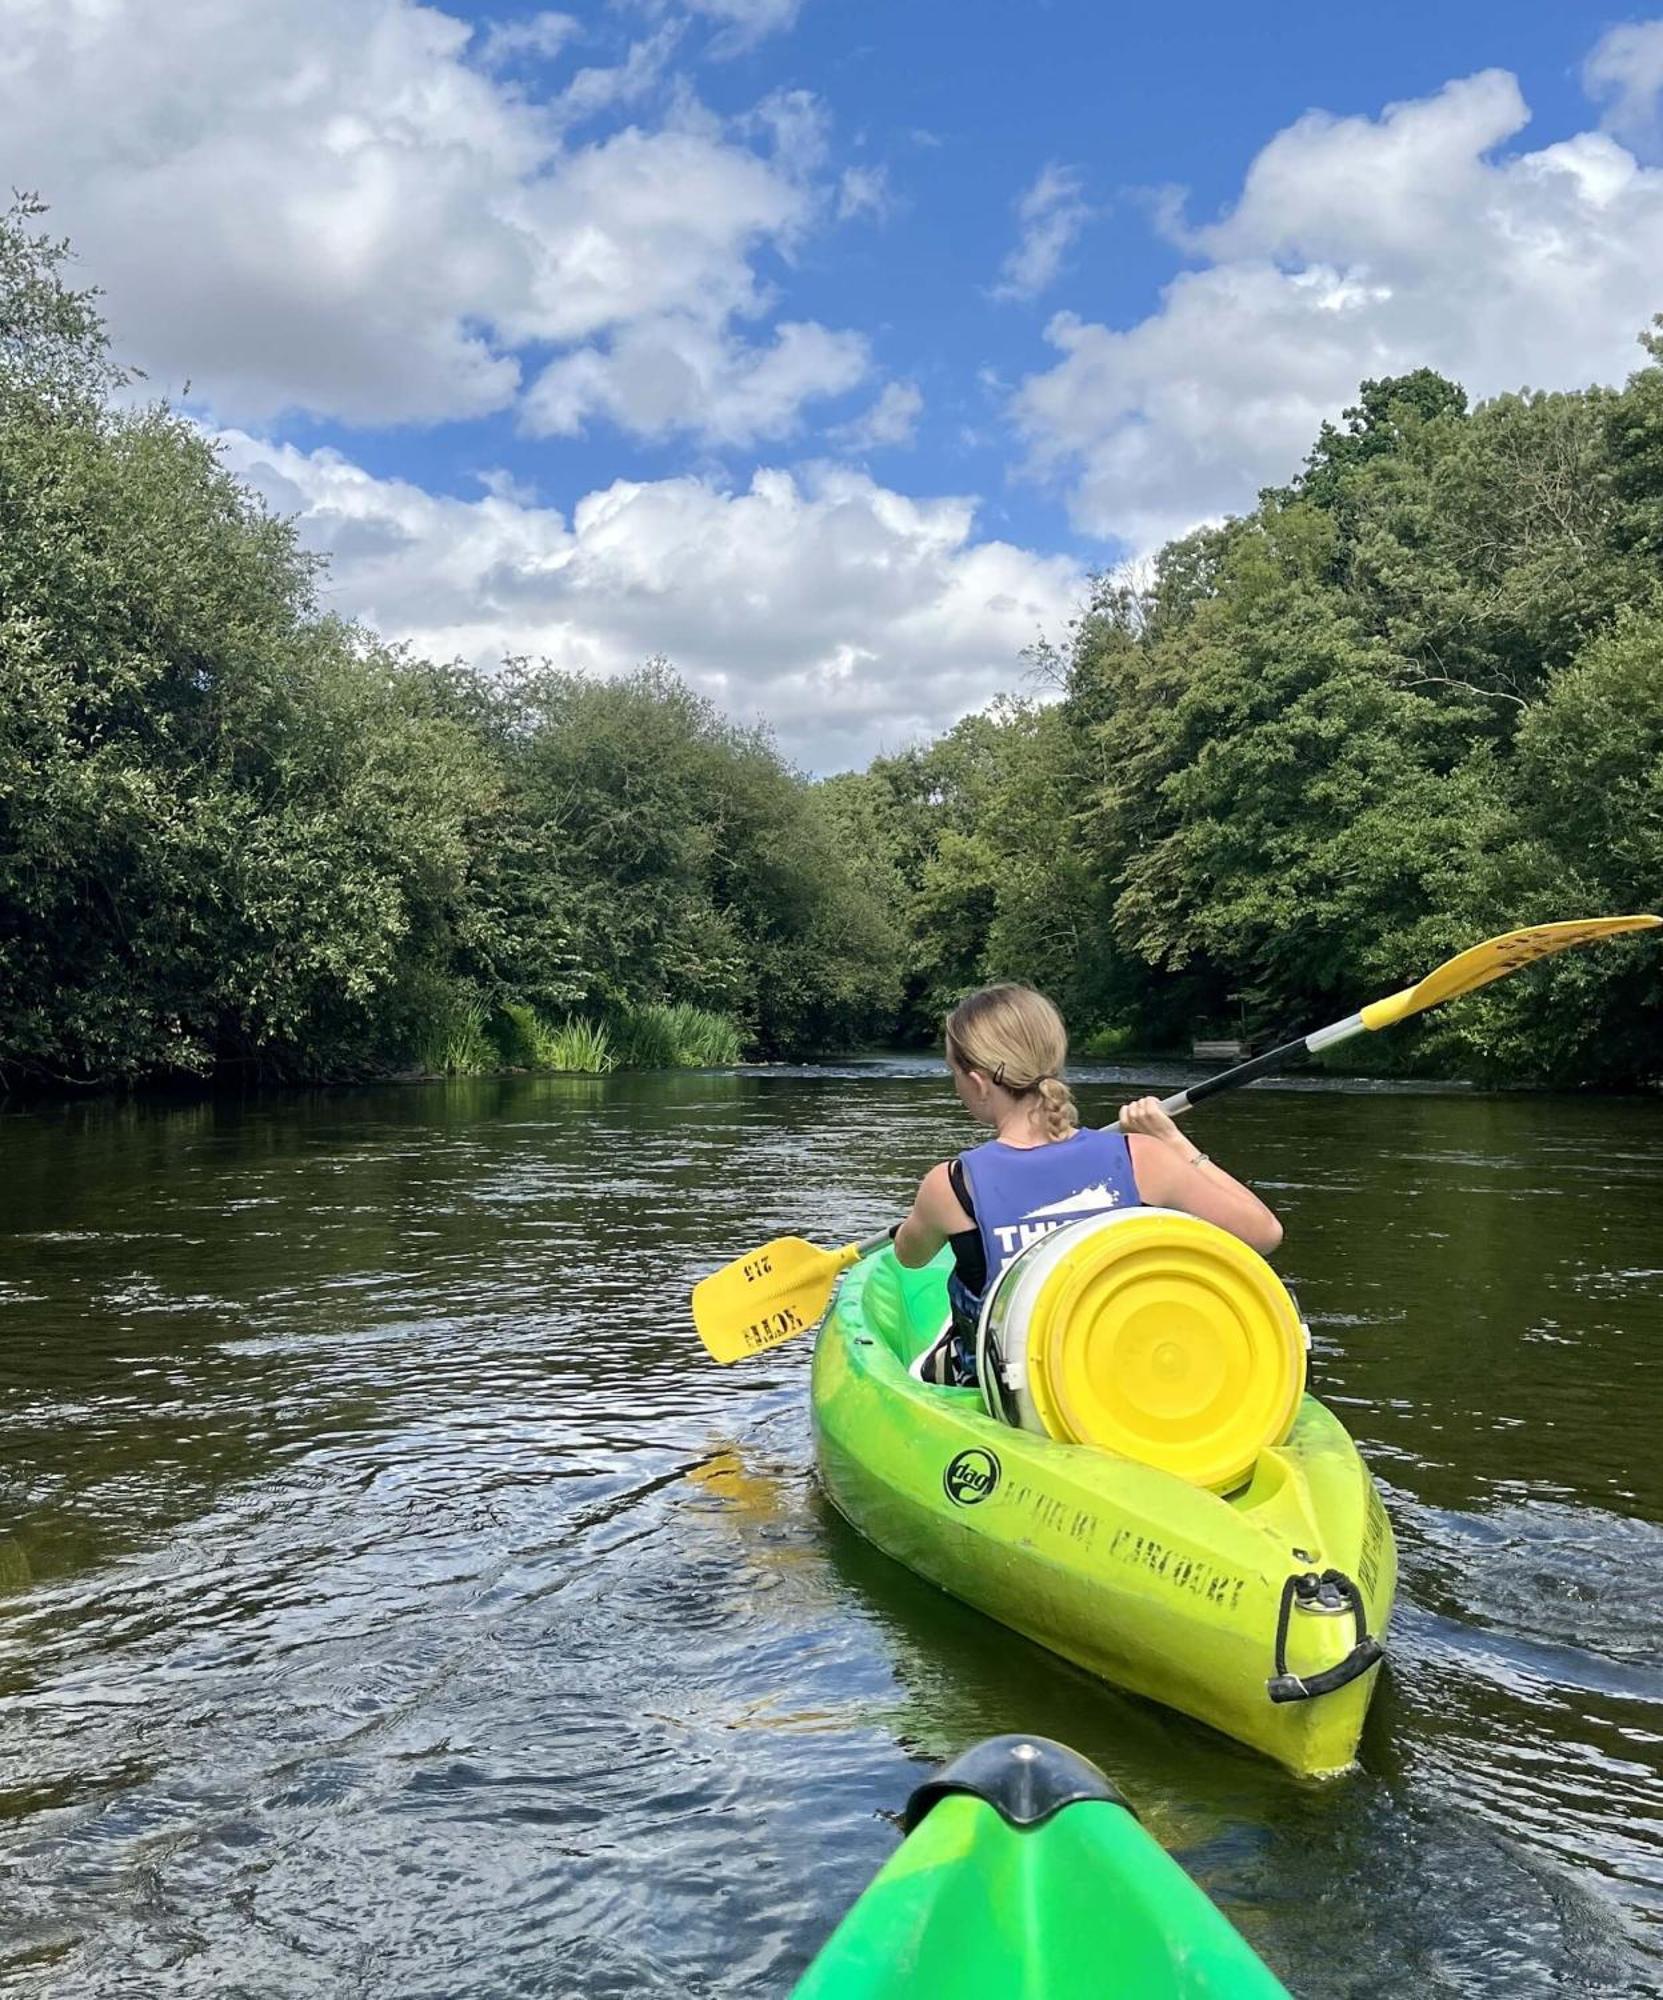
[[1010, 1032]]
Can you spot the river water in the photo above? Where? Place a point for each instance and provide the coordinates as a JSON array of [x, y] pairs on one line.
[[394, 1601]]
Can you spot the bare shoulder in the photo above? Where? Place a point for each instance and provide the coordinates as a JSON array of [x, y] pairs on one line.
[[937, 1202]]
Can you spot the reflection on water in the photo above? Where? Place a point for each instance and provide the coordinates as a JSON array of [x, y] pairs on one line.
[[393, 1600]]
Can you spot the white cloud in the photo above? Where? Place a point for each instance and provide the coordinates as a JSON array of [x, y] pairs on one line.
[[891, 420], [1626, 67], [1359, 247], [602, 87], [796, 125], [646, 223], [681, 373], [853, 617], [863, 191], [503, 485], [739, 24], [746, 22], [289, 205], [344, 210], [540, 35], [1052, 215]]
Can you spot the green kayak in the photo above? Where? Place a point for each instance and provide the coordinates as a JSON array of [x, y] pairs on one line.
[[1258, 1613], [1025, 1876]]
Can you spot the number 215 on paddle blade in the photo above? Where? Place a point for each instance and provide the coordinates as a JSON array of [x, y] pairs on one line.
[[759, 1299]]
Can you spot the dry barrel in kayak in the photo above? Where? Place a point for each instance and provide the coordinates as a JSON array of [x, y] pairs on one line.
[[1025, 1876], [1152, 1333], [1255, 1610]]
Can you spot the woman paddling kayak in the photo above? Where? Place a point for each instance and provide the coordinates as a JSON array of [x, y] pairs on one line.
[[1006, 1047]]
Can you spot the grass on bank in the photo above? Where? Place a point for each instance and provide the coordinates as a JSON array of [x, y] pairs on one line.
[[455, 1039], [1105, 1043], [462, 1037], [673, 1037], [578, 1045]]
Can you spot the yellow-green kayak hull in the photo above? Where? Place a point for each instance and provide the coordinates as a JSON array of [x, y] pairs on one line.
[[1160, 1587]]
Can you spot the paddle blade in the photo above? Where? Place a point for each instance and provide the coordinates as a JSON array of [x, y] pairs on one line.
[[767, 1296], [1494, 959]]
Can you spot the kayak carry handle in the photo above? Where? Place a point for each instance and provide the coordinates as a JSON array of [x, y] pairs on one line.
[[1307, 1587], [1026, 1779]]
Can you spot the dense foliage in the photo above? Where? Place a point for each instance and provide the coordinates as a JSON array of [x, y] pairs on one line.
[[237, 834], [1414, 697]]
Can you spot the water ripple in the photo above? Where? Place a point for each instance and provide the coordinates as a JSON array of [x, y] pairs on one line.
[[392, 1599]]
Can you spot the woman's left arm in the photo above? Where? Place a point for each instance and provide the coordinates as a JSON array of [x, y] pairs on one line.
[[1173, 1172]]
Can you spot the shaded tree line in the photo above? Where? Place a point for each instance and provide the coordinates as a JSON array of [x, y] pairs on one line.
[[1415, 697]]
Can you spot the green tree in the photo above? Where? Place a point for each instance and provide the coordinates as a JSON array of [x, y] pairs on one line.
[[225, 831], [1634, 440], [1387, 412], [1586, 838], [694, 864], [1328, 744]]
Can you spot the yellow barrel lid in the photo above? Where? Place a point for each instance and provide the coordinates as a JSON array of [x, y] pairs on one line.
[[1169, 1341]]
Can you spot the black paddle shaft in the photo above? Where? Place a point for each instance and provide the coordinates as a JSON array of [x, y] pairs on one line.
[[1232, 1079]]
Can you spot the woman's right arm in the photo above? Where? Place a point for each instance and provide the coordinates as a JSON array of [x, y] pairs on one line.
[[1172, 1172], [934, 1216]]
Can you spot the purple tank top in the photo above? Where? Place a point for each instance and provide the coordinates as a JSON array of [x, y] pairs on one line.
[[1020, 1194]]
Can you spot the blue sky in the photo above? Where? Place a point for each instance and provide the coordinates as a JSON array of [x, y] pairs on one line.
[[822, 348], [960, 108]]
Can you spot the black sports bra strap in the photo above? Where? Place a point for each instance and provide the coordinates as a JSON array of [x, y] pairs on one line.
[[959, 1181]]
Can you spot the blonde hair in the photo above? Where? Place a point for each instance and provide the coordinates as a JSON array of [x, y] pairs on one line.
[[1016, 1038]]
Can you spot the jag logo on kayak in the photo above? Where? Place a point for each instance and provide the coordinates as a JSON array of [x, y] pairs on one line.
[[971, 1477]]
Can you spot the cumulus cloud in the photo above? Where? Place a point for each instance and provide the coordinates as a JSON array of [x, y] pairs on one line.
[[682, 373], [645, 223], [1359, 247], [1626, 69], [853, 617], [891, 420], [346, 211], [1052, 214]]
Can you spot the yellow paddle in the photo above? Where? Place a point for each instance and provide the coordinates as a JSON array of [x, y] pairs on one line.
[[770, 1294], [1465, 973], [783, 1289]]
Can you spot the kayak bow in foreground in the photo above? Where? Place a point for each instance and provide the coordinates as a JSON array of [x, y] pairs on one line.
[[1026, 1876]]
